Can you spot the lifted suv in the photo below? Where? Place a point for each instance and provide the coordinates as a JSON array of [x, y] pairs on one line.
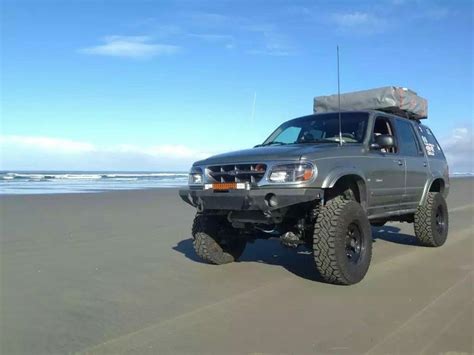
[[307, 187]]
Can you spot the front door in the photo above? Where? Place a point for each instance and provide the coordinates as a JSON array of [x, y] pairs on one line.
[[386, 172]]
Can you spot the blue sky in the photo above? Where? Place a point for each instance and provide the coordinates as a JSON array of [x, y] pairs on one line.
[[154, 85]]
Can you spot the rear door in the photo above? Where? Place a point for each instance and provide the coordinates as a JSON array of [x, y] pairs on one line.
[[416, 165]]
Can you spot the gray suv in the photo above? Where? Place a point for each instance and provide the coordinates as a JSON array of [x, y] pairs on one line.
[[322, 180]]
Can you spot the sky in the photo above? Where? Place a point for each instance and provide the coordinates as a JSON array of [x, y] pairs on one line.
[[156, 85]]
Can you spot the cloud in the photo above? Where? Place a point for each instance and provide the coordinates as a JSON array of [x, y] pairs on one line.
[[359, 22], [353, 19], [130, 47], [386, 16], [434, 13], [262, 37], [225, 40], [459, 149], [49, 153], [275, 43], [166, 150], [423, 9], [157, 28], [46, 143], [225, 31], [211, 37], [297, 10], [208, 19]]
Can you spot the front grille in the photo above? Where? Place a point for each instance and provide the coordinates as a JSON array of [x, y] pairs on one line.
[[251, 173]]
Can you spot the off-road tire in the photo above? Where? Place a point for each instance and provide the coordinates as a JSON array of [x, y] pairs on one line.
[[329, 242], [428, 230], [214, 241]]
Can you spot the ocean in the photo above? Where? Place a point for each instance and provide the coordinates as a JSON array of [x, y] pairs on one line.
[[50, 182], [53, 182]]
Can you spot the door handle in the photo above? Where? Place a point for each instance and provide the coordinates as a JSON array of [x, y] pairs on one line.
[[399, 162], [425, 164]]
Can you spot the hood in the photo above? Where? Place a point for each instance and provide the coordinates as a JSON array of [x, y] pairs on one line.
[[276, 152]]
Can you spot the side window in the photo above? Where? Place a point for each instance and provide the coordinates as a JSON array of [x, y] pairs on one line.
[[432, 147], [383, 126], [407, 143]]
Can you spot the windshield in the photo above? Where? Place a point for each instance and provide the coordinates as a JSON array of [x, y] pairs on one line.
[[322, 128]]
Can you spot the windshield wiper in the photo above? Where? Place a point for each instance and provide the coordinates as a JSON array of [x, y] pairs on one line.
[[319, 141], [270, 143]]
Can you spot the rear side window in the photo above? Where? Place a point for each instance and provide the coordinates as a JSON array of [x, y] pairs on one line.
[[432, 147], [407, 142]]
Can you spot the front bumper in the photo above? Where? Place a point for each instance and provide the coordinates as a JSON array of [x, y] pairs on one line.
[[248, 200]]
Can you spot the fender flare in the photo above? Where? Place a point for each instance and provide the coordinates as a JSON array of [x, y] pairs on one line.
[[337, 173], [428, 184]]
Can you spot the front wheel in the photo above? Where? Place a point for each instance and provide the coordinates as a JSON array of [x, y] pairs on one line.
[[342, 242], [215, 241], [432, 221]]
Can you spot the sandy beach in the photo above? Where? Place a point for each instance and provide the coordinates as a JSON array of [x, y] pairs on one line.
[[115, 272]]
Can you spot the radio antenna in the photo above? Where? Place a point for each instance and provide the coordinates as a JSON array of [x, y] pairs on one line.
[[339, 97]]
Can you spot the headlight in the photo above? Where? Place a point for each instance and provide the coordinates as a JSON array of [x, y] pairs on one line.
[[291, 173], [196, 176]]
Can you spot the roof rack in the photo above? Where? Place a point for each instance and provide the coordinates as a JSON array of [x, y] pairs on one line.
[[399, 101]]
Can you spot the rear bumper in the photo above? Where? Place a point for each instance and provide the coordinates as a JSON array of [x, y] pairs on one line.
[[248, 200]]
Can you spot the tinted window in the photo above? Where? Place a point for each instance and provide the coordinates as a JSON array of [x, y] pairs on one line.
[[407, 144], [322, 128], [432, 146]]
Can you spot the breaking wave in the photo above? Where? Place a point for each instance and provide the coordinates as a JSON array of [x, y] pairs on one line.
[[67, 182], [91, 176]]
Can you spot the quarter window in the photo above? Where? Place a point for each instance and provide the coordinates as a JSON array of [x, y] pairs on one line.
[[432, 147]]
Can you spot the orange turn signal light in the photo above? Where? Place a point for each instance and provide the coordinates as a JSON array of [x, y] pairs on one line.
[[224, 186], [308, 174]]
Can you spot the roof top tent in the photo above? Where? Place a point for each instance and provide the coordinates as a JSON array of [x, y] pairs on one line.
[[396, 100]]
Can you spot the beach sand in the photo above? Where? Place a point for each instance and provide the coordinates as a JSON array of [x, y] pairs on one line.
[[115, 272]]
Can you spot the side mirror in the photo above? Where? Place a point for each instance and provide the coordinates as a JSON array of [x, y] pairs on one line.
[[383, 141]]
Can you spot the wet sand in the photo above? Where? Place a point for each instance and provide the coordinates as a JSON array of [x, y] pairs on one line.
[[115, 272]]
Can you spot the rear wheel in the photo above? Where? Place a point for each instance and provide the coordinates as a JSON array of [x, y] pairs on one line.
[[432, 221], [215, 241], [342, 242]]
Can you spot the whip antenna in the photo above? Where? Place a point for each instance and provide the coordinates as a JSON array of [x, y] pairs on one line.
[[339, 97]]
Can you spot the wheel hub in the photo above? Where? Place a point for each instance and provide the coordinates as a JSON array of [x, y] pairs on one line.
[[440, 220], [353, 243]]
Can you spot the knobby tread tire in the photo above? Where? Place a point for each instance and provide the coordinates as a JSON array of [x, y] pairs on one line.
[[208, 245], [425, 224], [326, 246]]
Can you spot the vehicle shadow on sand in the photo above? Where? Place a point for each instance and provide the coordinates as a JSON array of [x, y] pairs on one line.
[[297, 261], [392, 234]]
